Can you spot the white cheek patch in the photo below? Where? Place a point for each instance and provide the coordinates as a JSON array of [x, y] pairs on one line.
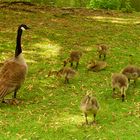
[[22, 28]]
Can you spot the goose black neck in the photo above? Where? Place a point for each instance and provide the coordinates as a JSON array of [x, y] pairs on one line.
[[18, 45]]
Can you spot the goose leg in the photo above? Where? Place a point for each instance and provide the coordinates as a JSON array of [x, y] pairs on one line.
[[86, 118], [3, 101], [15, 93], [71, 64]]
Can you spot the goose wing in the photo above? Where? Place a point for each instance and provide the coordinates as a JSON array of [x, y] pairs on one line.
[[12, 75]]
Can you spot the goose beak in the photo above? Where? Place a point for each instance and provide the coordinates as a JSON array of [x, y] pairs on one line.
[[28, 28]]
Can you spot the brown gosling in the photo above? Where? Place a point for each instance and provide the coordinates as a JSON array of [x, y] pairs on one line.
[[102, 51], [97, 65], [89, 105], [120, 81], [66, 72], [54, 72], [13, 71], [75, 56], [132, 73]]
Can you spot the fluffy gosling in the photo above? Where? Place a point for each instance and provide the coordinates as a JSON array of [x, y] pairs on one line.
[[74, 57], [97, 65], [66, 72], [89, 105], [102, 51], [132, 73], [120, 81]]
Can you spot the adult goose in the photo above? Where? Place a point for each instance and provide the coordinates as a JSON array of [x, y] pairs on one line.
[[14, 70]]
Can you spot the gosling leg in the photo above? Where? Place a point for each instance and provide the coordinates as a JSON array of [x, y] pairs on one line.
[[135, 83], [77, 64], [93, 122], [104, 57], [71, 64], [100, 56], [123, 97], [113, 92], [66, 80]]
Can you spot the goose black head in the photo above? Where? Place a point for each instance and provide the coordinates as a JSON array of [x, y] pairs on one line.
[[23, 27]]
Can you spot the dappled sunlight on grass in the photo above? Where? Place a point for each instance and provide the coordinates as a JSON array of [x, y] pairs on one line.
[[42, 50], [47, 48], [67, 119], [115, 20], [50, 108]]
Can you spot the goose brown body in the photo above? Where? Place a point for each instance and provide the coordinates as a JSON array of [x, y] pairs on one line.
[[13, 71], [12, 76]]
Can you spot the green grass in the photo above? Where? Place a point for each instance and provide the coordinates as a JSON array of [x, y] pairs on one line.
[[50, 110]]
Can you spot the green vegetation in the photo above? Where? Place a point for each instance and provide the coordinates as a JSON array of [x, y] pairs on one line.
[[50, 108], [124, 5]]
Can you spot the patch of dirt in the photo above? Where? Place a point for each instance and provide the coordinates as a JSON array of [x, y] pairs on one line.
[[58, 12]]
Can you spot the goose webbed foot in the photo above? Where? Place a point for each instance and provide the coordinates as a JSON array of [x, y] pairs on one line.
[[11, 101], [3, 101]]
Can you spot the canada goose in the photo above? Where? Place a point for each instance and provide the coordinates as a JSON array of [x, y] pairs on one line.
[[13, 71], [67, 72], [97, 65], [102, 50], [120, 81], [132, 72], [75, 56], [89, 105]]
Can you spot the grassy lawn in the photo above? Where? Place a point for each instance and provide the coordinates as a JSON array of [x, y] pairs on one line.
[[50, 108]]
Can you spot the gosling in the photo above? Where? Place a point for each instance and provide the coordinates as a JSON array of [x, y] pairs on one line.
[[52, 72], [102, 51], [132, 73], [89, 105], [120, 81], [66, 72], [75, 56], [97, 65]]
